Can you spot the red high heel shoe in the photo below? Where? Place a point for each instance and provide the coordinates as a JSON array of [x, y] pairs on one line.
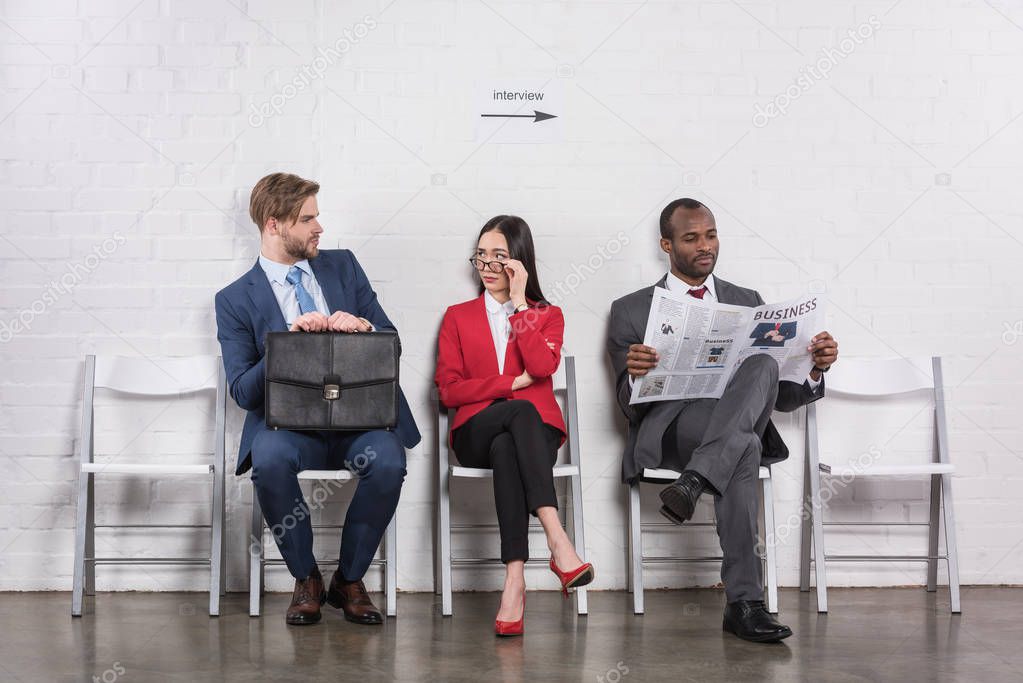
[[580, 576], [512, 628]]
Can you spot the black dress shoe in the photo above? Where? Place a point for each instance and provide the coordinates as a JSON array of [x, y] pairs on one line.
[[680, 496], [750, 620]]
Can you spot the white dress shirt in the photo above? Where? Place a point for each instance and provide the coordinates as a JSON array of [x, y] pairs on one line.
[[500, 327], [675, 284], [284, 291]]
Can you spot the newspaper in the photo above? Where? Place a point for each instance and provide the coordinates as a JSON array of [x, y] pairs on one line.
[[700, 343]]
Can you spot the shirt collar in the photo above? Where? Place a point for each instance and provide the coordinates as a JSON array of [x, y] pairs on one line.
[[676, 284], [494, 307], [278, 272]]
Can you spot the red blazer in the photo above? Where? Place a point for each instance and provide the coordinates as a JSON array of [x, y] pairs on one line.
[[467, 377]]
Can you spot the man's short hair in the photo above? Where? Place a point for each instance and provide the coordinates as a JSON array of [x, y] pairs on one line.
[[280, 196], [669, 211]]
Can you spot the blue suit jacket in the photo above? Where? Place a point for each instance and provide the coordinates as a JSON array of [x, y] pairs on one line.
[[247, 310]]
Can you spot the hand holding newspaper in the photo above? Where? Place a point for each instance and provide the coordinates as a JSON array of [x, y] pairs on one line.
[[701, 343]]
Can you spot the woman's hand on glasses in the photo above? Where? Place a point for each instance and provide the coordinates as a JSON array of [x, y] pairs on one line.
[[517, 278]]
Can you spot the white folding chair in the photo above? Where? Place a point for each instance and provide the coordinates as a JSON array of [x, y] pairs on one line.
[[875, 379], [447, 471], [636, 526], [167, 377], [258, 560]]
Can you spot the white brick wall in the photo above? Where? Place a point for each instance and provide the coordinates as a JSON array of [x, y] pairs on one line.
[[894, 183]]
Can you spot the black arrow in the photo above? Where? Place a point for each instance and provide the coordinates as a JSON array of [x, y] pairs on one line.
[[537, 116]]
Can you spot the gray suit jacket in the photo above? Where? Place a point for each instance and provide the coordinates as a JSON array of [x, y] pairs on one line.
[[649, 421]]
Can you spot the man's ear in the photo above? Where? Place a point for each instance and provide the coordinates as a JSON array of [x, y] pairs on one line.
[[271, 226], [666, 245]]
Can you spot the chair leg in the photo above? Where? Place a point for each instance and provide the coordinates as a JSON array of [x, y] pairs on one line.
[[770, 550], [223, 564], [90, 539], [444, 534], [255, 556], [217, 543], [818, 541], [391, 567], [437, 565], [442, 474], [636, 548], [84, 502], [805, 532], [578, 536], [951, 546], [933, 529]]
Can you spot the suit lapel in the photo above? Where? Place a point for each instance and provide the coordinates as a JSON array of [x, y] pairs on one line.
[[329, 279], [724, 290], [662, 283], [262, 296]]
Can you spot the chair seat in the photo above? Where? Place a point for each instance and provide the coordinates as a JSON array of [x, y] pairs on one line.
[[482, 473], [656, 474], [141, 468], [326, 475], [849, 472]]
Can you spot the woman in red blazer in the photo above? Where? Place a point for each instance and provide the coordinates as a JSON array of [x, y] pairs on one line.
[[495, 359]]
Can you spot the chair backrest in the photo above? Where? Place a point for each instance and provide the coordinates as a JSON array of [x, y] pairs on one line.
[[154, 377], [157, 376], [874, 380], [881, 377]]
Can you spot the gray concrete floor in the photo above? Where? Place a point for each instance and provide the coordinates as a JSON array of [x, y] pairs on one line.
[[870, 635]]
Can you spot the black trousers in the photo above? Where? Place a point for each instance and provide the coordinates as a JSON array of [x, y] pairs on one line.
[[510, 438]]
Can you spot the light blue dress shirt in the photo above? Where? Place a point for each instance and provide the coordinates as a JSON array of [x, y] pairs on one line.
[[277, 274]]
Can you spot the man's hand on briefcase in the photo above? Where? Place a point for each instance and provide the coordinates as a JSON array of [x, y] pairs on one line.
[[339, 321], [310, 322], [346, 322]]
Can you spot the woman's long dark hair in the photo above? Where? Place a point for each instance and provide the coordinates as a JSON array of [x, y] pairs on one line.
[[520, 247]]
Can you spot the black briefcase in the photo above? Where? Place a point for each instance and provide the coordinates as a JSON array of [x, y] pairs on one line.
[[332, 380]]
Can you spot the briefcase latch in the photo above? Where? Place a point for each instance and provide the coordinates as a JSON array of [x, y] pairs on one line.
[[331, 387]]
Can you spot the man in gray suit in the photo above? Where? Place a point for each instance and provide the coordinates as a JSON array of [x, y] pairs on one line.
[[717, 444]]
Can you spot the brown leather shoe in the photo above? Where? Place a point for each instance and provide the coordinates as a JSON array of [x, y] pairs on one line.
[[353, 600], [306, 600]]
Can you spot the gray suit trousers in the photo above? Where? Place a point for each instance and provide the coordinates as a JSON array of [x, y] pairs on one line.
[[720, 439]]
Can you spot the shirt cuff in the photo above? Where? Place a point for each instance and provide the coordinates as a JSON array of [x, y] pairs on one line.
[[814, 383]]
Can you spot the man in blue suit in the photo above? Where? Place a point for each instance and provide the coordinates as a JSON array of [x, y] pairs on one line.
[[295, 286]]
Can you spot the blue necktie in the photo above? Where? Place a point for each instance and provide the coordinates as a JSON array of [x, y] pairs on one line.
[[305, 302]]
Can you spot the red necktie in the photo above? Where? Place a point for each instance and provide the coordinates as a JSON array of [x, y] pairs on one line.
[[698, 293]]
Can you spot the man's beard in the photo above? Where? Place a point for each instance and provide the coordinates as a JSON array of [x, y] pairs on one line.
[[690, 269], [297, 249]]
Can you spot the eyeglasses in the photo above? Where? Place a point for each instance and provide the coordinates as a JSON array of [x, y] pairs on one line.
[[492, 266]]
